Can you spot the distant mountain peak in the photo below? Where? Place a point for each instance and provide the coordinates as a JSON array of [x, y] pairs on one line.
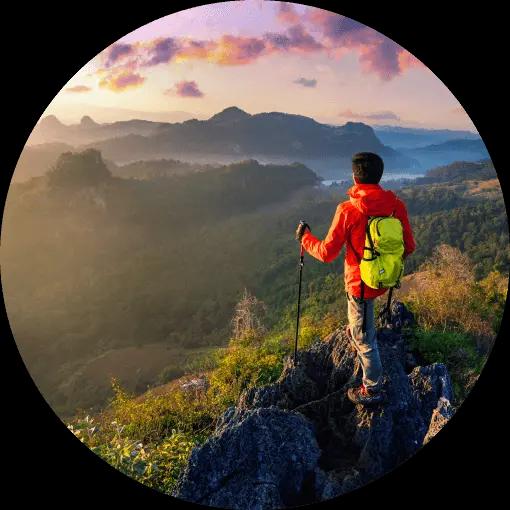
[[50, 120], [357, 127], [230, 114], [87, 121]]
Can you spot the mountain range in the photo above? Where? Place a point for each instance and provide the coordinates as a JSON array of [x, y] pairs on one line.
[[400, 137], [230, 135], [448, 152], [234, 135]]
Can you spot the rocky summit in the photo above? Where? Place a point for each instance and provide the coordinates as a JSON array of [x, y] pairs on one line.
[[300, 440]]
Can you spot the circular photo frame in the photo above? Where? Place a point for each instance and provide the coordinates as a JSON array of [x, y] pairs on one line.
[[255, 255]]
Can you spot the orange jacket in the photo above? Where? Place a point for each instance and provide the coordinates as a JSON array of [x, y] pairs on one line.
[[348, 226]]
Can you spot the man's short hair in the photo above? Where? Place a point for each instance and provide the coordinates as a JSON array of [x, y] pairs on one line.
[[367, 167]]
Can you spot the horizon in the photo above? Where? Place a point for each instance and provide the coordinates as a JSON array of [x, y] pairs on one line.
[[261, 56], [152, 117]]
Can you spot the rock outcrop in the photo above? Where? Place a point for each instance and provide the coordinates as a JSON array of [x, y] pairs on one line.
[[300, 440]]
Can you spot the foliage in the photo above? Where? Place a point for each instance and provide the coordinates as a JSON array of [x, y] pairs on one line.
[[455, 349], [450, 299], [492, 295], [241, 368], [156, 465], [458, 317]]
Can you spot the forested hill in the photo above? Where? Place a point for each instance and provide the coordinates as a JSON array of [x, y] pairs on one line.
[[92, 263], [81, 180], [459, 171], [101, 272]]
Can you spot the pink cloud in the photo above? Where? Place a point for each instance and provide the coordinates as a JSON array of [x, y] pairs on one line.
[[186, 89], [118, 51], [336, 34], [378, 54], [287, 13], [408, 60], [381, 59], [296, 38], [161, 51], [78, 89], [235, 50], [121, 80], [195, 50]]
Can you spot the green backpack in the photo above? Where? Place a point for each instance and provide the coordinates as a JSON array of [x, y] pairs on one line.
[[382, 264]]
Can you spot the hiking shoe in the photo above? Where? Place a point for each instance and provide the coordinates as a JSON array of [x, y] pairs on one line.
[[361, 395]]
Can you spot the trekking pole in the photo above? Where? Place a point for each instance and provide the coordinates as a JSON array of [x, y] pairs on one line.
[[301, 263]]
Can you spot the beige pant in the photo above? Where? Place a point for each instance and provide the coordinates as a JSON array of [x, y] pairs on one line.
[[365, 343]]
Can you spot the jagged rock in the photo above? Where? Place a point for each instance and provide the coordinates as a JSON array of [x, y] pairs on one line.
[[440, 416], [400, 316], [260, 458], [301, 440], [429, 385]]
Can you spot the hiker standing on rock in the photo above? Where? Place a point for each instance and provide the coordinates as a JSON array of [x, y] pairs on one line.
[[351, 226]]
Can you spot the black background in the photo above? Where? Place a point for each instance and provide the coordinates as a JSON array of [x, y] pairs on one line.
[[46, 46]]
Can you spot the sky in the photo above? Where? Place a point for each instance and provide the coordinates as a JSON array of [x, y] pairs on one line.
[[260, 56]]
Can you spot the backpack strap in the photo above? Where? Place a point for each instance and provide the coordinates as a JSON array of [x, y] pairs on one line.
[[370, 248]]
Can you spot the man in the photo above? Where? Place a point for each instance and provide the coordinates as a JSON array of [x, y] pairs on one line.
[[366, 198]]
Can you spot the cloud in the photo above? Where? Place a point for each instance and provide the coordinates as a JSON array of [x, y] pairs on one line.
[[287, 13], [235, 50], [161, 51], [79, 89], [295, 38], [121, 80], [313, 31], [306, 82], [378, 54], [118, 51], [384, 115], [408, 60], [195, 50], [225, 50], [185, 89], [381, 59]]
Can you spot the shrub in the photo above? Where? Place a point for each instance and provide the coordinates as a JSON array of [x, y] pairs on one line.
[[247, 322], [456, 350], [451, 300], [240, 368], [492, 295], [457, 317], [156, 465]]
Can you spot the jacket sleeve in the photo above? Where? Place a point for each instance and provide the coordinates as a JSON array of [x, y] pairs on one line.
[[401, 214], [328, 249]]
